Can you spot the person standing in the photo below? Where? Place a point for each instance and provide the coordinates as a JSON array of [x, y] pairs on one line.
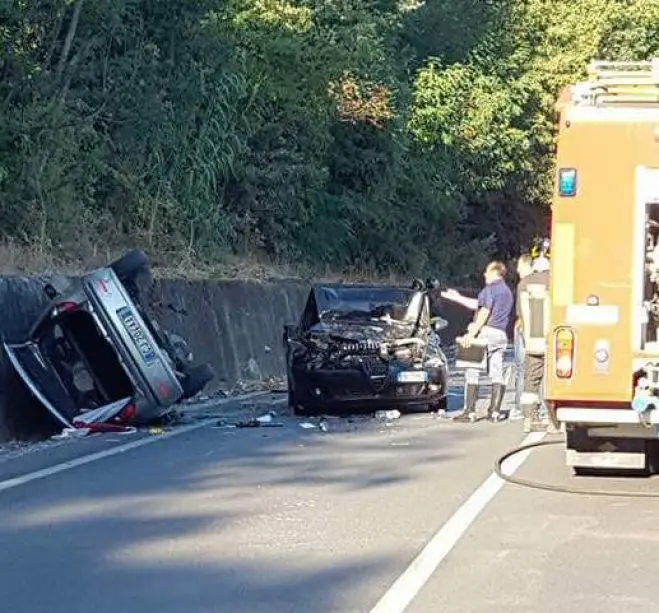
[[524, 269], [493, 308], [533, 293]]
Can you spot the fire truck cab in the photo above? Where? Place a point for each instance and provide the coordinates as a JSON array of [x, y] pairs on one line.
[[602, 366]]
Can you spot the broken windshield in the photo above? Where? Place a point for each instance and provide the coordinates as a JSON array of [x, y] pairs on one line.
[[365, 303]]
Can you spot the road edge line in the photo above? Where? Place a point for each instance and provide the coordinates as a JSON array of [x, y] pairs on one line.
[[105, 453], [401, 593], [99, 455]]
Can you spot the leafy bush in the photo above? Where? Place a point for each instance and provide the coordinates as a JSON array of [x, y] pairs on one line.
[[384, 135]]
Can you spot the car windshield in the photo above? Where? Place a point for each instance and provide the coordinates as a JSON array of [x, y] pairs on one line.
[[365, 303]]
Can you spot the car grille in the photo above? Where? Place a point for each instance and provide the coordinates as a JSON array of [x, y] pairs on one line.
[[360, 347], [375, 367]]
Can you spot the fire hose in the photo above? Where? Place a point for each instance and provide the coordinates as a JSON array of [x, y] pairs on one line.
[[550, 487]]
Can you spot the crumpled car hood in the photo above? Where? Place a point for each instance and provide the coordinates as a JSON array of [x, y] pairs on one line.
[[361, 331]]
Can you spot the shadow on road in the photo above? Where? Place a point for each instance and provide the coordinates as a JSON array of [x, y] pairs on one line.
[[226, 520]]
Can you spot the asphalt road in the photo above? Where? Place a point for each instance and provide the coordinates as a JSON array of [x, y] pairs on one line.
[[218, 519]]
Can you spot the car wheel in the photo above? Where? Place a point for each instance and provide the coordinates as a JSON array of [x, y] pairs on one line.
[[294, 404], [196, 378], [301, 411], [132, 262], [292, 401]]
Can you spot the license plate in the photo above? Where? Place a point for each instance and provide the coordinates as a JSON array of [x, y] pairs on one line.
[[412, 376], [137, 335]]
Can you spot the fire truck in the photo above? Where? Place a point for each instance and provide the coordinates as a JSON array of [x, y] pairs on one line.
[[602, 325]]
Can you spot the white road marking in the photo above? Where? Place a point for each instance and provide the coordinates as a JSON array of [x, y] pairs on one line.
[[106, 453], [407, 586]]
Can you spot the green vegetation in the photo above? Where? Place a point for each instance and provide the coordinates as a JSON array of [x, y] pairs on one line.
[[375, 135]]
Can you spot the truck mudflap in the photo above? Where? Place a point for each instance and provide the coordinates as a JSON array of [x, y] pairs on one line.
[[38, 376]]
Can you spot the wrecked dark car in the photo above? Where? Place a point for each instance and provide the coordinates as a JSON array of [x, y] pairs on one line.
[[359, 348], [95, 356]]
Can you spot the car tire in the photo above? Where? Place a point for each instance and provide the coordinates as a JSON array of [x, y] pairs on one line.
[[132, 262], [294, 405], [195, 379], [301, 411]]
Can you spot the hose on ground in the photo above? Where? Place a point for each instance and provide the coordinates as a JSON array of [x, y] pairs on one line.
[[563, 489]]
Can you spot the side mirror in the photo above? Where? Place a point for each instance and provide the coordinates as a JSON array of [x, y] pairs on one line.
[[289, 332], [438, 323]]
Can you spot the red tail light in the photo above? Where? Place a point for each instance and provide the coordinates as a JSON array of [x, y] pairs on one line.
[[126, 414], [564, 352], [64, 307], [67, 307]]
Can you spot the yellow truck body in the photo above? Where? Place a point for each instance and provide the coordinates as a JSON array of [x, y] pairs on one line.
[[602, 366]]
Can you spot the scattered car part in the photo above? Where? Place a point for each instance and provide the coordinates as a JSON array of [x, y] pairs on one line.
[[255, 423]]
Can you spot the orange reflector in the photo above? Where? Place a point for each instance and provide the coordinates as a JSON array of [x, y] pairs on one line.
[[563, 352]]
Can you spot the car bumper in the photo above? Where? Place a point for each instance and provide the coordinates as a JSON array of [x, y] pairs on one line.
[[369, 403], [353, 390], [588, 415]]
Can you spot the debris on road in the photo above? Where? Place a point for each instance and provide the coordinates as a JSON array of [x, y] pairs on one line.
[[247, 385], [387, 415], [267, 418], [255, 423], [71, 433]]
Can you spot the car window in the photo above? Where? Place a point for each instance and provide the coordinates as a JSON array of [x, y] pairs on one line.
[[69, 365], [366, 303]]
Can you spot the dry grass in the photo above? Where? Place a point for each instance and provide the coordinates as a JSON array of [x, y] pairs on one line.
[[17, 259]]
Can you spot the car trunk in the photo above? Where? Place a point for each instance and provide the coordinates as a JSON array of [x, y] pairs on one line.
[[71, 368]]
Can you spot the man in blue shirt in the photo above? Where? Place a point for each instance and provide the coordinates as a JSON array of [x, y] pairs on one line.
[[493, 307]]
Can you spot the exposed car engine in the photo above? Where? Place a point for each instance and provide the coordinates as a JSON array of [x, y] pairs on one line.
[[364, 344]]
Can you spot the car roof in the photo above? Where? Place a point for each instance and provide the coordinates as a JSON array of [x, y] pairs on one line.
[[362, 286]]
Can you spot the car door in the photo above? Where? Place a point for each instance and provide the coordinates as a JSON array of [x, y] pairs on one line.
[[42, 380]]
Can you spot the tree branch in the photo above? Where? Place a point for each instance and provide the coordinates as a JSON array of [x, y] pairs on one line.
[[70, 35]]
